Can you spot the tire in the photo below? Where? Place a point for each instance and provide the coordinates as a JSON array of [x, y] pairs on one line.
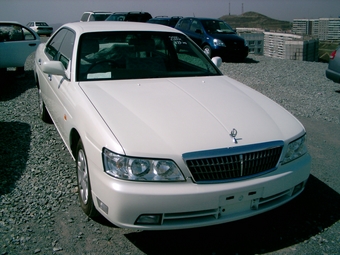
[[83, 182], [44, 115], [207, 50]]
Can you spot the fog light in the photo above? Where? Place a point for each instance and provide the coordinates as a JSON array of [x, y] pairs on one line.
[[298, 188], [154, 219], [102, 206]]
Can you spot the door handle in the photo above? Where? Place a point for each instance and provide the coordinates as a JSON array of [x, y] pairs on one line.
[[32, 44], [50, 77]]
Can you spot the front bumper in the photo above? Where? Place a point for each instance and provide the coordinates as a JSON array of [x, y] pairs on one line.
[[188, 205], [332, 75], [231, 53]]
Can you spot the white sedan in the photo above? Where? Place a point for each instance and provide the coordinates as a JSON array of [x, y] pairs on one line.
[[17, 42], [161, 139]]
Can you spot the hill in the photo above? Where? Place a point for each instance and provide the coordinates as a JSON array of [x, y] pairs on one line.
[[257, 20]]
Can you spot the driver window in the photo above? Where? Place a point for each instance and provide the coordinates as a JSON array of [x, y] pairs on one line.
[[11, 32], [195, 26], [66, 49]]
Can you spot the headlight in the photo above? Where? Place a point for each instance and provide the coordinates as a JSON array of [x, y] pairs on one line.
[[140, 169], [218, 42], [295, 150]]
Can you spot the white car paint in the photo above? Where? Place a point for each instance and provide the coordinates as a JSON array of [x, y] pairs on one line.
[[174, 118]]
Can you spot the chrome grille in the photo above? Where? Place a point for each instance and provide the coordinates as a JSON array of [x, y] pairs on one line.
[[233, 164]]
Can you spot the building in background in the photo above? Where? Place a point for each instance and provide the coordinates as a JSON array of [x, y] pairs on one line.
[[255, 39], [326, 29], [290, 46], [280, 45]]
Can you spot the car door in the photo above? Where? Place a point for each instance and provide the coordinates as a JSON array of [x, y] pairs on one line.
[[196, 32], [56, 89], [16, 44]]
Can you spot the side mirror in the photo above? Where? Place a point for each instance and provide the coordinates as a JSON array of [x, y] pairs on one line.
[[55, 68], [198, 31], [217, 61]]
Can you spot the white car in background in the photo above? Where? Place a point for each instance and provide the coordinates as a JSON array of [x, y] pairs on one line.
[[40, 27], [94, 16], [161, 139], [17, 42]]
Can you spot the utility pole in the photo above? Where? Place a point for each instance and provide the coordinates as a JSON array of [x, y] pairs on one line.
[[229, 9], [242, 8]]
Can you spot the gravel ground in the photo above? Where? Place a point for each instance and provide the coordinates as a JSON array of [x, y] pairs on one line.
[[39, 211]]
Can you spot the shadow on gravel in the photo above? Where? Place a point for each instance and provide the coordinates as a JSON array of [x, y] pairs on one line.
[[317, 208], [15, 139], [13, 85], [250, 61]]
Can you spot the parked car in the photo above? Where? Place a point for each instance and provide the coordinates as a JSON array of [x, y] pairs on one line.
[[333, 70], [94, 16], [160, 137], [165, 20], [17, 42], [130, 16], [40, 27], [215, 37]]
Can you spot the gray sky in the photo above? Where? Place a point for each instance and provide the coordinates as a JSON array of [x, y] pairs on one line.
[[63, 11]]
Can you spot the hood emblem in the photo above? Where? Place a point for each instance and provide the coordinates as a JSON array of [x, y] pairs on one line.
[[233, 134]]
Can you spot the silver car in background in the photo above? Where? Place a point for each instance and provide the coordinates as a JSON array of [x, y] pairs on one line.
[[333, 71]]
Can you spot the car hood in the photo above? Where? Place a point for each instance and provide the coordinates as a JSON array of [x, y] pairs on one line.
[[171, 116]]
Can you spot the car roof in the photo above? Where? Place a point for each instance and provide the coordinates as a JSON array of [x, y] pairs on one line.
[[102, 26], [202, 18], [167, 17], [97, 12], [35, 21], [11, 22]]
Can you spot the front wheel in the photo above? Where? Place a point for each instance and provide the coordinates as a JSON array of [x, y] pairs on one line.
[[83, 181], [44, 115], [207, 50]]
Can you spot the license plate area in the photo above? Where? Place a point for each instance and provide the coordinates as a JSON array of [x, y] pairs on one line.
[[240, 202]]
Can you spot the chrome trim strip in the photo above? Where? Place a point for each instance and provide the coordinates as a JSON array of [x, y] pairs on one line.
[[232, 150]]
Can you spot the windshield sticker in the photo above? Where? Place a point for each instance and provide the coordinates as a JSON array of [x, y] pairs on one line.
[[106, 75]]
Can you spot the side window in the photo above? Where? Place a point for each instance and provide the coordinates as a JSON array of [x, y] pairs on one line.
[[11, 32], [66, 49], [85, 17], [185, 24], [53, 47], [28, 34], [195, 26]]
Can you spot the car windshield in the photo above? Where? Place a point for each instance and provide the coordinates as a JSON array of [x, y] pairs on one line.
[[217, 26], [137, 55], [41, 24], [116, 17], [100, 16]]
